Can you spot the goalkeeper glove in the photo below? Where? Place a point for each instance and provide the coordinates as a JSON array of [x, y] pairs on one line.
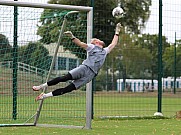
[[118, 29], [69, 34]]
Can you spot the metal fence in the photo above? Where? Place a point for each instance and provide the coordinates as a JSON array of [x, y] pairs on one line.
[[140, 55]]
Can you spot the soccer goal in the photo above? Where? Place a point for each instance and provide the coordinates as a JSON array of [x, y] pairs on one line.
[[33, 50]]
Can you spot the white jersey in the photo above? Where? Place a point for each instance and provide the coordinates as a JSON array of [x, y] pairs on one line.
[[95, 57]]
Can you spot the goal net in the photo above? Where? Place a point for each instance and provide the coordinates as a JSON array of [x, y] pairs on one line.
[[34, 50]]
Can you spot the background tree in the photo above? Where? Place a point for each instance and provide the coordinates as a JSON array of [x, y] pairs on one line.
[[168, 58], [35, 54], [42, 61], [51, 24], [150, 42], [136, 60], [139, 56], [26, 51], [137, 13], [5, 48]]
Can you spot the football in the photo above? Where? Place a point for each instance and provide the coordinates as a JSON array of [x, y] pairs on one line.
[[118, 12]]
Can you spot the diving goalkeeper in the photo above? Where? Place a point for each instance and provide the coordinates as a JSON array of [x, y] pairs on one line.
[[86, 71]]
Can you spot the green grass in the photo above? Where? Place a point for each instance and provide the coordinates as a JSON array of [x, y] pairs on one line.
[[69, 109], [106, 127], [61, 110]]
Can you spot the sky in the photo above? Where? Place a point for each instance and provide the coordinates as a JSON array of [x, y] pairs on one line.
[[171, 21], [27, 27]]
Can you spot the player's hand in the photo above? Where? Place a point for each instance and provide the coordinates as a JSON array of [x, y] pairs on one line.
[[69, 34], [118, 28]]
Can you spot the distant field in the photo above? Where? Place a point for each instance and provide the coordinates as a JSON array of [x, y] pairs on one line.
[[70, 109], [106, 127], [74, 103]]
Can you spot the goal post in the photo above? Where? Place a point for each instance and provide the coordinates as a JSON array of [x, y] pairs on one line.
[[35, 67]]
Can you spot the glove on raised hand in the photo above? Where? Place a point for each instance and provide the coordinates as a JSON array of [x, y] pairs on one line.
[[69, 34], [118, 28]]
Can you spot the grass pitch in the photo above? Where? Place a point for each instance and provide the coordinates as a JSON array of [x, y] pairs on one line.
[[70, 109], [106, 127]]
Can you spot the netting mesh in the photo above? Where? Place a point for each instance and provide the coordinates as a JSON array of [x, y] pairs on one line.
[[127, 85], [37, 35], [130, 74]]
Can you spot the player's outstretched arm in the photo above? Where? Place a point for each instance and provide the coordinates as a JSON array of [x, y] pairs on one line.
[[76, 40], [116, 37]]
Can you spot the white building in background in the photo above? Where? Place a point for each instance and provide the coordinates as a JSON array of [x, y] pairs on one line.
[[140, 85], [65, 60]]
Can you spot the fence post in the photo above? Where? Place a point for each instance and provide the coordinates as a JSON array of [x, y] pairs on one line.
[[160, 72], [15, 63]]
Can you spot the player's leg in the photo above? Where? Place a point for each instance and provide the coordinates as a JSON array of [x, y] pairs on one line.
[[81, 75], [76, 84], [57, 92], [74, 74], [80, 78], [53, 82]]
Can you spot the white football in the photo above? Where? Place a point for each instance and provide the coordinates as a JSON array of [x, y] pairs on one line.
[[118, 12]]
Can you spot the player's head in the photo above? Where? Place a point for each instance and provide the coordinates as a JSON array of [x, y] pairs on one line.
[[98, 42]]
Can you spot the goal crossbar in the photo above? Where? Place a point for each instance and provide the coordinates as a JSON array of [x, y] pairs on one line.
[[43, 5]]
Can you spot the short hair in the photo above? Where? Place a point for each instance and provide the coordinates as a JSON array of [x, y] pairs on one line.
[[94, 39], [103, 44]]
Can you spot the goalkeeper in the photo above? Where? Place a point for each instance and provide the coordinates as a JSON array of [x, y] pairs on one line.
[[86, 71]]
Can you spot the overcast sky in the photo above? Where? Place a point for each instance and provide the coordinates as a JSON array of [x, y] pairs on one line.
[[171, 19], [27, 22]]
